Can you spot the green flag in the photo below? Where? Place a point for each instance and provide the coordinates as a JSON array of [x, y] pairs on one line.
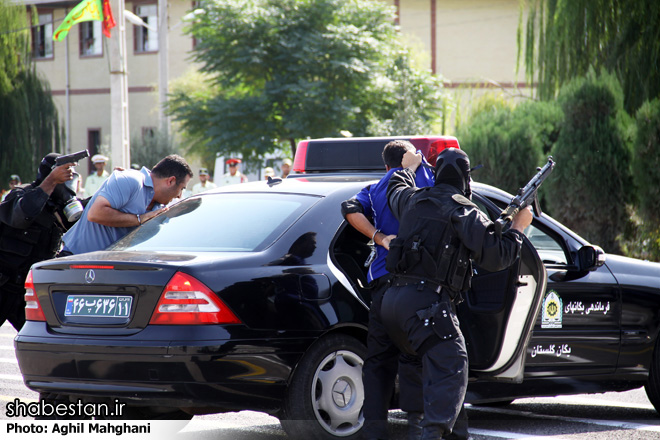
[[86, 10]]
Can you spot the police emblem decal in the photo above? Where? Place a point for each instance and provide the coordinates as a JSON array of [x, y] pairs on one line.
[[90, 276], [552, 311]]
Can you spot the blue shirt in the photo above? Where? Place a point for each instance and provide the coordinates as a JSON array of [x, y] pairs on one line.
[[373, 199], [128, 191]]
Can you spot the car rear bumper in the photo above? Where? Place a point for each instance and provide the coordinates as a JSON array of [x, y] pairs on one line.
[[151, 368]]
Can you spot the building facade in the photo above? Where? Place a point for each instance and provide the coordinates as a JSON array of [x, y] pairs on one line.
[[472, 43]]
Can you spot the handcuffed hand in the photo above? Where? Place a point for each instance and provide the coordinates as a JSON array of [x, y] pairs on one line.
[[385, 242]]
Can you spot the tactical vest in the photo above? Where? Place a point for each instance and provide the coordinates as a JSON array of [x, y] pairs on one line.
[[427, 246], [21, 248]]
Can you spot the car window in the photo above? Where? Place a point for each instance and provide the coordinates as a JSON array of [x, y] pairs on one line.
[[547, 247], [482, 207], [224, 222]]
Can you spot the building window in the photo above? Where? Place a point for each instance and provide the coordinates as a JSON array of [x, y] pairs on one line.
[[91, 38], [146, 40], [42, 37], [93, 146]]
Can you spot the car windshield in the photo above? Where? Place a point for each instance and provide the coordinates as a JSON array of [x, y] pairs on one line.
[[224, 222]]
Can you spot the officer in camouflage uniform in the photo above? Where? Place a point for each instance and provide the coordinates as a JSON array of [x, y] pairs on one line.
[[31, 226], [440, 232]]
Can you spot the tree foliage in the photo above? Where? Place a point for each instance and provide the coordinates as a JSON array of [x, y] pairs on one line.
[[14, 39], [592, 182], [29, 127], [643, 239], [646, 160], [510, 141], [563, 39], [291, 69]]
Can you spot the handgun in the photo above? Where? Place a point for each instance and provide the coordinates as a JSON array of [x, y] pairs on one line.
[[71, 158]]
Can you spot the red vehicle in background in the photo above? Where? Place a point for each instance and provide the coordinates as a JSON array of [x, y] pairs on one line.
[[332, 154]]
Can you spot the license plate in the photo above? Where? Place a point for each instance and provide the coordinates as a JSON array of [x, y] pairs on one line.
[[98, 306]]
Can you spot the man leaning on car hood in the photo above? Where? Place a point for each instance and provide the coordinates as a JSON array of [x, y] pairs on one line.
[[127, 199]]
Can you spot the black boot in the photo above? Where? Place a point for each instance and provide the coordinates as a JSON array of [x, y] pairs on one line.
[[415, 425], [432, 433]]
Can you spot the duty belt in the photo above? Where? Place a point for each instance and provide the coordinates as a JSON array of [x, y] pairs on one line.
[[422, 283]]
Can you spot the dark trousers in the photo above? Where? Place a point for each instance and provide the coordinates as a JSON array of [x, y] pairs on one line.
[[380, 369], [444, 361], [12, 304]]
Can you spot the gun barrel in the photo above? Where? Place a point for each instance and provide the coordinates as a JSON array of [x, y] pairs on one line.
[[70, 158], [525, 197], [533, 185]]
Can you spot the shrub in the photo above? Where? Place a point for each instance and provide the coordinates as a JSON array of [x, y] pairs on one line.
[[646, 160], [592, 181], [149, 149], [642, 238], [510, 141]]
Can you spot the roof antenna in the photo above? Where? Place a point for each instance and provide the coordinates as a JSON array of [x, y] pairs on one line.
[[274, 181]]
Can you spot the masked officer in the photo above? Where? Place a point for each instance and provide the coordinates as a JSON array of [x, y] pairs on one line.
[[32, 222], [381, 363], [440, 231]]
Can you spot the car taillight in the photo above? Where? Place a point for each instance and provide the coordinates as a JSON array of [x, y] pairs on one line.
[[301, 157], [33, 311], [186, 301], [437, 145]]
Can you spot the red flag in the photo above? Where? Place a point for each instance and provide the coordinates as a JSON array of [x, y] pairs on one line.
[[108, 19]]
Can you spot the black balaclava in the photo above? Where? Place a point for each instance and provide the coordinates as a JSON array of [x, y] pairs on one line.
[[62, 193], [453, 168], [45, 167]]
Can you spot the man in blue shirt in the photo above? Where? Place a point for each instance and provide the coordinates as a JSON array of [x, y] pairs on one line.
[[381, 364], [125, 201]]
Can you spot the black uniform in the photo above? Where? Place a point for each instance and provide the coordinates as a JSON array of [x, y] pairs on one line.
[[384, 360], [30, 231], [440, 231]]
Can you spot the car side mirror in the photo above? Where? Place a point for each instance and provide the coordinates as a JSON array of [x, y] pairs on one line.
[[590, 258]]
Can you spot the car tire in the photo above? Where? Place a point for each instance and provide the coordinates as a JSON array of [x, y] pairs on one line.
[[652, 387], [324, 399]]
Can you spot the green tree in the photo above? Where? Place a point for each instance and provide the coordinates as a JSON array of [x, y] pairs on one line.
[[510, 141], [14, 40], [283, 70], [563, 39], [646, 160], [592, 182], [643, 238], [29, 127]]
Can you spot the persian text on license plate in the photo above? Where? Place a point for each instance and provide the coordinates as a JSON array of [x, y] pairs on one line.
[[98, 306]]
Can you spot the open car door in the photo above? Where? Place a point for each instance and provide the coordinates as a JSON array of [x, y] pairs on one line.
[[499, 311]]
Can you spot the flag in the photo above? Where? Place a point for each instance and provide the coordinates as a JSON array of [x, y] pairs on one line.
[[108, 18], [86, 10]]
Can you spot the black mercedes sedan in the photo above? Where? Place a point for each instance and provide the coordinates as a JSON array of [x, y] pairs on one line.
[[254, 296], [251, 296]]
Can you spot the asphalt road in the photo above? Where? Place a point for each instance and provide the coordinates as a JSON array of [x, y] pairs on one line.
[[603, 416]]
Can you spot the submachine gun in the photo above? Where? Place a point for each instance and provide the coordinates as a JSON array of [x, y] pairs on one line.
[[525, 196]]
